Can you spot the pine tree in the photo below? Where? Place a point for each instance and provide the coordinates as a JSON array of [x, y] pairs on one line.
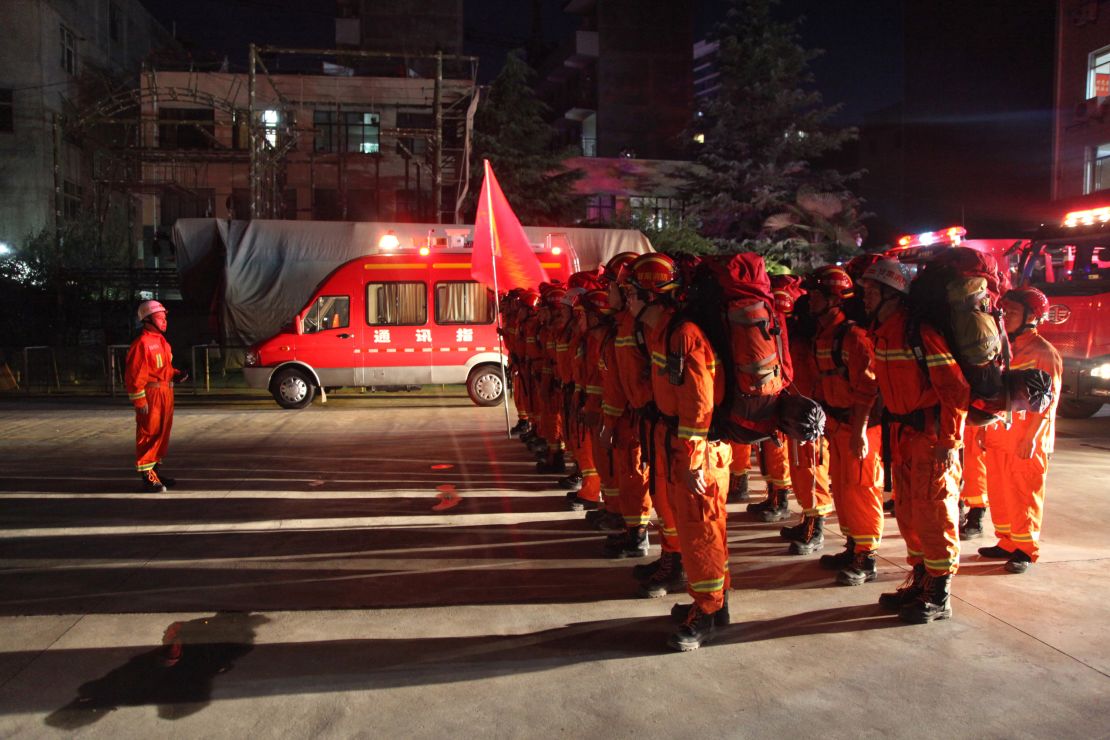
[[510, 131], [763, 133]]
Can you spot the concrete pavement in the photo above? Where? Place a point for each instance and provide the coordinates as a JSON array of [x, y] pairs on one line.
[[327, 576]]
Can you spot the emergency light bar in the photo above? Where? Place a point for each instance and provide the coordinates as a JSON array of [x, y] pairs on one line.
[[951, 236], [1088, 217]]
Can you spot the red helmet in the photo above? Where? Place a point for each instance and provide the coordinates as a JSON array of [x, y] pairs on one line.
[[832, 281], [654, 273], [1032, 300], [859, 264], [530, 299], [149, 308], [617, 268], [587, 280], [598, 302], [786, 289], [554, 296]]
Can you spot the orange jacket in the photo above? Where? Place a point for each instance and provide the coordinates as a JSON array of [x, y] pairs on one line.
[[906, 389], [1031, 351], [149, 360], [633, 362], [614, 400], [804, 365], [589, 360], [854, 385], [693, 398]]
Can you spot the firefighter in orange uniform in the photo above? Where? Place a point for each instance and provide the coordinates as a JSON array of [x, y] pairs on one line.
[[848, 390], [552, 322], [809, 461], [686, 385], [626, 392], [973, 495], [927, 409], [600, 331], [1017, 458], [149, 378]]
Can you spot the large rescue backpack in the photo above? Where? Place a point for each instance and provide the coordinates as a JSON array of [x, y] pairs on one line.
[[957, 292]]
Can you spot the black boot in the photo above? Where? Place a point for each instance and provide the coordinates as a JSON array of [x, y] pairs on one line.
[[522, 426], [695, 631], [670, 577], [558, 464], [932, 603], [606, 521], [766, 503], [1019, 562], [721, 618], [842, 559], [167, 481], [994, 552], [909, 590], [779, 509], [737, 488], [151, 483], [888, 507], [971, 528], [632, 544], [810, 537], [572, 482], [583, 504], [860, 571], [645, 571]]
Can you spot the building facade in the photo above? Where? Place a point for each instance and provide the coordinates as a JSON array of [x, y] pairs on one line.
[[51, 51]]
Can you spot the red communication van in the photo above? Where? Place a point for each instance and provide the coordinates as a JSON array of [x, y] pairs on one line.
[[407, 316]]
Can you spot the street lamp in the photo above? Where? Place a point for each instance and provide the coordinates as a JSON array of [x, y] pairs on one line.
[[5, 249]]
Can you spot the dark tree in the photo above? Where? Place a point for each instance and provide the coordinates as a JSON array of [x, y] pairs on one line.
[[510, 131]]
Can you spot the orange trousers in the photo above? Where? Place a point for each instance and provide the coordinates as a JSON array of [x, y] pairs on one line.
[[1017, 489], [774, 461], [927, 513], [741, 458], [702, 528], [660, 479], [580, 440], [152, 430], [631, 472], [857, 485], [974, 492], [809, 471], [519, 400], [605, 462]]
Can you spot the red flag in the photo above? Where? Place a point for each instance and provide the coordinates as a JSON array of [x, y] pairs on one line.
[[499, 240]]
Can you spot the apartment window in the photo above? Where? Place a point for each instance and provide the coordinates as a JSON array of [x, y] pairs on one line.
[[601, 208], [415, 127], [115, 23], [655, 212], [1098, 78], [72, 197], [463, 303], [347, 131], [396, 304], [69, 51], [7, 111], [1098, 169]]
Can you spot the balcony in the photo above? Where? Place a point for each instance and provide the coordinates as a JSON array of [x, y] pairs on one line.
[[585, 49]]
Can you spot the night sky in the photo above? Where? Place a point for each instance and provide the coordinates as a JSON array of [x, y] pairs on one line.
[[861, 68]]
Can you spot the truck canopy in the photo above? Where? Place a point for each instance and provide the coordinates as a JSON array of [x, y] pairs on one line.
[[253, 276]]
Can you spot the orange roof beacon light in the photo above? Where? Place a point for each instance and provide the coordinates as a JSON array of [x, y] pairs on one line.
[[951, 236], [425, 251], [388, 242], [1089, 217]]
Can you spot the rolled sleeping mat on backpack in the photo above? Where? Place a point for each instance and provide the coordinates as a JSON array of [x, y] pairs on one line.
[[800, 418], [1030, 390]]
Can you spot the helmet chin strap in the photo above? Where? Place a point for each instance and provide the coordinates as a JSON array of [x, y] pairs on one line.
[[873, 316], [1026, 325], [150, 322]]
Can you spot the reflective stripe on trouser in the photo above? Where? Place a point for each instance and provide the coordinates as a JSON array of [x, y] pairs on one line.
[[927, 512], [668, 530], [152, 430], [741, 458], [974, 491], [702, 529], [857, 485], [632, 478], [1017, 489], [605, 460], [774, 463], [809, 471]]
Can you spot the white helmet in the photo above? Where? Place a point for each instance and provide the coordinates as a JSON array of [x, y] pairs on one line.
[[891, 273], [149, 308]]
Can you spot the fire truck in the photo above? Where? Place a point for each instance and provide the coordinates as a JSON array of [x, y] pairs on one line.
[[409, 315], [1070, 264]]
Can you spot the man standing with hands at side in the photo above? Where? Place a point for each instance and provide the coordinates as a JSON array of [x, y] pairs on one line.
[[149, 378]]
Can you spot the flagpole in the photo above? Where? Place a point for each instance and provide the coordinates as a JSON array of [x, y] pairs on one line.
[[497, 300]]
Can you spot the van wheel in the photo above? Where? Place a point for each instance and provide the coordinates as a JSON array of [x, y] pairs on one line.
[[484, 385], [292, 388], [1071, 409]]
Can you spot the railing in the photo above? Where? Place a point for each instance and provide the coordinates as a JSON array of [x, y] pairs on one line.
[[27, 366]]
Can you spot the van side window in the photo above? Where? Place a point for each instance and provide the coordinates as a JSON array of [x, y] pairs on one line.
[[396, 304], [463, 303], [328, 312]]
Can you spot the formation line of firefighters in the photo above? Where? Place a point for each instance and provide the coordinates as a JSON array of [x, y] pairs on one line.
[[606, 369]]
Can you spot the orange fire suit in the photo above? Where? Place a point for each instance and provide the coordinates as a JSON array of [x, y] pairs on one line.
[[511, 334], [928, 412], [809, 461], [149, 381], [530, 345], [627, 387], [974, 491], [587, 381], [687, 384], [847, 388], [1017, 484], [550, 399]]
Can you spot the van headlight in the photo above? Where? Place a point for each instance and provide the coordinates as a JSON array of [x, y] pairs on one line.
[[1101, 372], [252, 359]]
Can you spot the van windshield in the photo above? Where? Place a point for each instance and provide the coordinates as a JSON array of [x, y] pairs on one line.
[[1069, 267], [328, 312]]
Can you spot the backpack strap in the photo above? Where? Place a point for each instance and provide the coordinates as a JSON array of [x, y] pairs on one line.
[[917, 346]]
